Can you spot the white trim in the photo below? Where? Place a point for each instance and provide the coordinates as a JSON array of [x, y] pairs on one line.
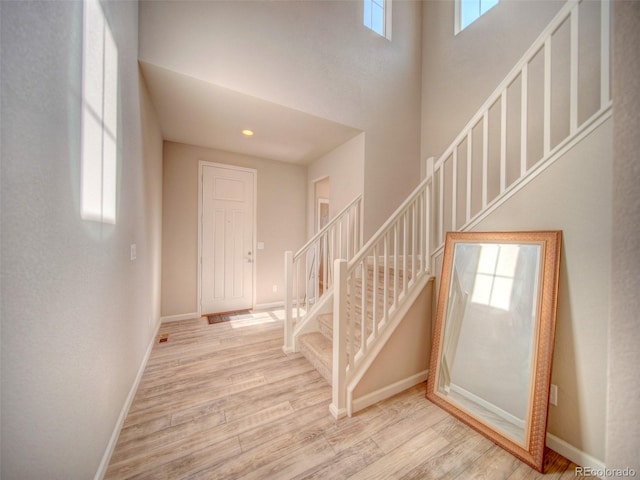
[[201, 164], [267, 306], [454, 189], [457, 13], [605, 52], [319, 202], [573, 72], [387, 19], [388, 391], [106, 458], [182, 316], [457, 20], [319, 179], [337, 413], [388, 23], [524, 118], [572, 453]]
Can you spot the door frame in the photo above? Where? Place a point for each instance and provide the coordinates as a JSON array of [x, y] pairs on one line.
[[254, 172]]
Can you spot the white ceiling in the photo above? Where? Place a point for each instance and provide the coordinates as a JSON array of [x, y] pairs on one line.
[[200, 113]]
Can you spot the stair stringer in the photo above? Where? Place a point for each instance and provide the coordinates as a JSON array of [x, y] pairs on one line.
[[385, 335], [310, 322]]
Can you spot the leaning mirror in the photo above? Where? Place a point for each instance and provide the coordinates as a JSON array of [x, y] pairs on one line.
[[494, 335]]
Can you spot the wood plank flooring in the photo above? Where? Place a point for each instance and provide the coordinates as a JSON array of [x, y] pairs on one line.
[[223, 401]]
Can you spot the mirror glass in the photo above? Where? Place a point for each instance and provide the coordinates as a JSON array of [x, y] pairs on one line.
[[493, 339], [488, 338]]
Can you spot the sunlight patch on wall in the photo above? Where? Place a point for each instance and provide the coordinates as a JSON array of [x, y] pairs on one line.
[[99, 117]]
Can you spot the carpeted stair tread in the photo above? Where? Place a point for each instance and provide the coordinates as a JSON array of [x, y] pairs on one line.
[[317, 347], [318, 350], [325, 325]]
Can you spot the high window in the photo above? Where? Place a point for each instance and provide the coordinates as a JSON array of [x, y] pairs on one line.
[[468, 11], [377, 16], [99, 117]]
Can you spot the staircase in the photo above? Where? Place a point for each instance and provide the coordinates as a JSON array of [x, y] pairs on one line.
[[368, 290], [317, 346], [346, 327], [309, 272]]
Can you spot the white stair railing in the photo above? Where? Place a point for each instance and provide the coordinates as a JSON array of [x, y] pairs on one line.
[[309, 272], [375, 288], [556, 94], [501, 149]]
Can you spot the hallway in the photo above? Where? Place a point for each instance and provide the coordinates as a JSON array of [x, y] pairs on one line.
[[223, 401]]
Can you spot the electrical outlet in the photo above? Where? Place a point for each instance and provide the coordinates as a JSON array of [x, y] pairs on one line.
[[275, 288], [134, 251], [553, 395]]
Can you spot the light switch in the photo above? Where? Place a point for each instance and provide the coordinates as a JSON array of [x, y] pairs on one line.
[[553, 395], [260, 245], [134, 252]]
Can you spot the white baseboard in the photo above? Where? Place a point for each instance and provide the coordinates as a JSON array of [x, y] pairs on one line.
[[388, 391], [337, 413], [570, 452], [183, 316], [554, 443], [267, 306], [104, 464]]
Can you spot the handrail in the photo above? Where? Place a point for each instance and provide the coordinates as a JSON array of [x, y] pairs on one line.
[[387, 224], [374, 286], [520, 161], [309, 272], [326, 228]]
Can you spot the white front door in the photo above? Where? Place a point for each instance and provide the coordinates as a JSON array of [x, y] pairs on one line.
[[227, 238]]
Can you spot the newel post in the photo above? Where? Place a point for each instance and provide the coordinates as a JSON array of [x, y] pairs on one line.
[[339, 387], [288, 302]]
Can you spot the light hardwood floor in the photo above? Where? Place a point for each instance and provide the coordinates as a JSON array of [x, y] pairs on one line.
[[223, 402]]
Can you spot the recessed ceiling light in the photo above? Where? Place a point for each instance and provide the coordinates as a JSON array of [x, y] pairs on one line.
[[247, 133]]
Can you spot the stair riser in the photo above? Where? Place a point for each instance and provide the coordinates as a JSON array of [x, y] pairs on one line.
[[318, 351]]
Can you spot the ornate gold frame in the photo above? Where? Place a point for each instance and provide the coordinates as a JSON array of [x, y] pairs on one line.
[[532, 450]]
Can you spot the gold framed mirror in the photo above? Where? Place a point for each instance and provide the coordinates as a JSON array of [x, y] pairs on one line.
[[494, 335]]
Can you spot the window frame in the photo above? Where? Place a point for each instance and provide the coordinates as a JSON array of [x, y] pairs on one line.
[[386, 13], [458, 15]]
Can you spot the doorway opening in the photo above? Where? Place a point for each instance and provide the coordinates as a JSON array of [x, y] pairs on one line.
[[322, 217]]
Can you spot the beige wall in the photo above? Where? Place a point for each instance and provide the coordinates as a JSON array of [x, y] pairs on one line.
[[77, 314], [281, 220], [344, 167], [623, 432], [318, 58]]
